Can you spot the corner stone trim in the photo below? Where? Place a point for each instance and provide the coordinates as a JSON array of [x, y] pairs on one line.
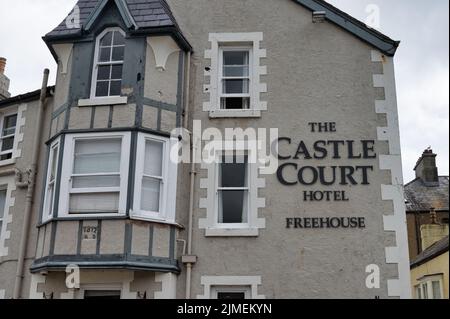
[[20, 126], [395, 221], [5, 234]]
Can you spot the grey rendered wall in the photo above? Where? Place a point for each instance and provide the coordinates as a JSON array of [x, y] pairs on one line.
[[316, 73]]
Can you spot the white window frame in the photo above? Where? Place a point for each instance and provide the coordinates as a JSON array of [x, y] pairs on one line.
[[68, 161], [214, 284], [2, 122], [248, 188], [54, 147], [3, 215], [211, 223], [241, 41], [250, 95], [103, 100], [167, 203], [425, 286]]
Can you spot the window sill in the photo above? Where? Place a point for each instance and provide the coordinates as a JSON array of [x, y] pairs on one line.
[[234, 113], [8, 162], [103, 101], [232, 232], [155, 220]]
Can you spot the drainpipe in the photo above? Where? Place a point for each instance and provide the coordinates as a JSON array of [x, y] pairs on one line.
[[189, 260], [30, 189]]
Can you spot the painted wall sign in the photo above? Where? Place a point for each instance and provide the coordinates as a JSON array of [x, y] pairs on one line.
[[90, 232], [292, 172]]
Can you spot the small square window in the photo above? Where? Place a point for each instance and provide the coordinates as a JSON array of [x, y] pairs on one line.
[[8, 131]]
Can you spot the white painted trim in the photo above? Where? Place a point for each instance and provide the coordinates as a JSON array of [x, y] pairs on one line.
[[234, 113], [170, 172], [215, 290], [163, 47], [8, 182], [69, 146], [36, 279], [257, 86], [393, 221], [169, 286], [210, 224], [226, 281], [63, 51], [97, 101]]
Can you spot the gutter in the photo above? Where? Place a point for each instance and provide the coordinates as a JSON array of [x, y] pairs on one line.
[[30, 185]]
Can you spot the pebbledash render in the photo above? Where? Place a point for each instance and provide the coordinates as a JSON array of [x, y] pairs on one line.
[[113, 215]]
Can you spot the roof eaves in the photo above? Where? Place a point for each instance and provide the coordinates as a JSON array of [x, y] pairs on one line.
[[352, 25], [26, 97]]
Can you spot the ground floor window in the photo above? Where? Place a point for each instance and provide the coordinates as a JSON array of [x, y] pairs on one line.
[[230, 287], [429, 287], [231, 292]]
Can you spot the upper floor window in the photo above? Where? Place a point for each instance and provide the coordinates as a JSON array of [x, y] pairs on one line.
[[108, 63], [236, 82], [235, 78], [429, 287], [8, 131]]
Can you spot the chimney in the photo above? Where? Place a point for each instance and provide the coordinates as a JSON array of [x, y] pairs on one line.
[[426, 168], [4, 81], [432, 232]]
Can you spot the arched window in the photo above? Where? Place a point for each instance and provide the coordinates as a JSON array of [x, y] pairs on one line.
[[108, 63]]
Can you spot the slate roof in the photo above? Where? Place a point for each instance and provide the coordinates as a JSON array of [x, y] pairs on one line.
[[145, 13], [431, 252], [420, 198], [25, 97]]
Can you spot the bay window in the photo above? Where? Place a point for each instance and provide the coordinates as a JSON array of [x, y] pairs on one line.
[[430, 287], [2, 207], [95, 174]]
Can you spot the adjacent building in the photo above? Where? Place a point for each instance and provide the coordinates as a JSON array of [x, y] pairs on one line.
[[427, 216], [285, 181]]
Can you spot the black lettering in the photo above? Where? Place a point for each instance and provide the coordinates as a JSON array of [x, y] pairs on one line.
[[298, 223], [301, 177], [365, 170], [323, 181], [281, 177], [362, 222], [368, 149], [347, 173], [289, 222], [319, 147], [336, 152], [289, 142], [351, 154], [302, 150]]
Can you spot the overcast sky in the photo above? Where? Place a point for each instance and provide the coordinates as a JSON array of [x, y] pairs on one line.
[[422, 68]]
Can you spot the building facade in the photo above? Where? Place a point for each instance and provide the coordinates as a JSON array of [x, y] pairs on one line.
[[193, 149]]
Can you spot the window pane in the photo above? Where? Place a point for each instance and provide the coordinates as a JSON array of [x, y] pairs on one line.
[[241, 71], [233, 207], [153, 158], [106, 40], [97, 156], [102, 88], [2, 203], [436, 290], [118, 38], [94, 203], [235, 57], [235, 103], [5, 157], [116, 72], [425, 290], [151, 189], [235, 86], [105, 55], [116, 88], [95, 181], [233, 174], [10, 122], [118, 53], [104, 72], [54, 160], [8, 143], [49, 200], [99, 294]]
